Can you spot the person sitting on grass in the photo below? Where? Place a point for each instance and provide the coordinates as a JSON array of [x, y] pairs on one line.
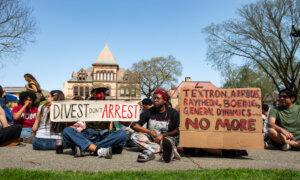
[[6, 101], [284, 121], [9, 134], [102, 143], [25, 114], [44, 138], [161, 134], [146, 103]]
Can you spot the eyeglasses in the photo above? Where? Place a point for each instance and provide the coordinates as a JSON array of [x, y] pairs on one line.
[[156, 98], [283, 96]]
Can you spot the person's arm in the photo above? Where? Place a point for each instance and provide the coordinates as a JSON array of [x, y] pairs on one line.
[[31, 86], [175, 132], [272, 124], [174, 124], [3, 119], [37, 122], [138, 126], [17, 115]]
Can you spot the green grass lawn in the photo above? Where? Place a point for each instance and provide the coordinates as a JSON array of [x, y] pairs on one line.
[[187, 174]]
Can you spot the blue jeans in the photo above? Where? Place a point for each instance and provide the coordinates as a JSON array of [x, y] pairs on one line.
[[102, 138], [26, 132], [43, 144]]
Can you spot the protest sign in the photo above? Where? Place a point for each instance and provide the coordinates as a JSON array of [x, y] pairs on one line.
[[221, 118], [72, 111]]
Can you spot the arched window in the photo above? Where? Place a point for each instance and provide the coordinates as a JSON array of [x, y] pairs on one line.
[[122, 92], [127, 92], [81, 91], [87, 91], [111, 76], [101, 76], [133, 92], [75, 91]]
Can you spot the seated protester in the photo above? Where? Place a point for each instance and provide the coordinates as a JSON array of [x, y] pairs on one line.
[[44, 138], [101, 143], [25, 114], [284, 121], [162, 129], [265, 115], [146, 103], [8, 133], [6, 103], [11, 101], [3, 104]]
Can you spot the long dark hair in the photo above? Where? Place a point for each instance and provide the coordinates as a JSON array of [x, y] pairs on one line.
[[31, 77], [27, 94], [57, 95]]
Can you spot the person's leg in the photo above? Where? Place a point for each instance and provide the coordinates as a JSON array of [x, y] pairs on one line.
[[43, 144], [148, 147], [276, 136], [10, 133], [169, 148], [26, 133], [72, 138], [113, 139], [110, 143], [144, 143], [295, 144]]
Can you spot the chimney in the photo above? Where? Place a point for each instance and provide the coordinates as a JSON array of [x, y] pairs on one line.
[[186, 79]]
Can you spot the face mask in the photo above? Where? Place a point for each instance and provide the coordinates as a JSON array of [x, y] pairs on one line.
[[100, 96]]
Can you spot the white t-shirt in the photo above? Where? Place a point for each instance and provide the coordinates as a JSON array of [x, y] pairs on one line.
[[45, 125]]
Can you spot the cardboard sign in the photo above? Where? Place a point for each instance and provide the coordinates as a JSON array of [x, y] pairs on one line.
[[72, 111], [221, 118]]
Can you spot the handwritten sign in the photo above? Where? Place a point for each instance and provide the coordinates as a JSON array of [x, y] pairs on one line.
[[72, 111], [221, 118]]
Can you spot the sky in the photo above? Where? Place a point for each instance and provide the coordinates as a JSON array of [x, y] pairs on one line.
[[72, 33]]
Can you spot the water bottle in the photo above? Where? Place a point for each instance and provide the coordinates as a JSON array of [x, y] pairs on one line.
[[59, 146]]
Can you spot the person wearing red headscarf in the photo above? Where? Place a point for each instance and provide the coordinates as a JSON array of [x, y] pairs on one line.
[[161, 133]]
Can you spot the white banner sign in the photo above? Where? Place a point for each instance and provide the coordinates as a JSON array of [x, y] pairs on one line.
[[72, 111]]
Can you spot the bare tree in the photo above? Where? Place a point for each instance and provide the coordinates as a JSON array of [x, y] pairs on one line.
[[260, 35], [16, 27], [157, 72]]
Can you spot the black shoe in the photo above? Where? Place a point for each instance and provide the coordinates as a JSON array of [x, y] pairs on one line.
[[167, 150], [234, 153], [117, 150]]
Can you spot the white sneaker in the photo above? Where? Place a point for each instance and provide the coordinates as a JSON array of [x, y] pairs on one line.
[[105, 152], [176, 154], [286, 147]]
